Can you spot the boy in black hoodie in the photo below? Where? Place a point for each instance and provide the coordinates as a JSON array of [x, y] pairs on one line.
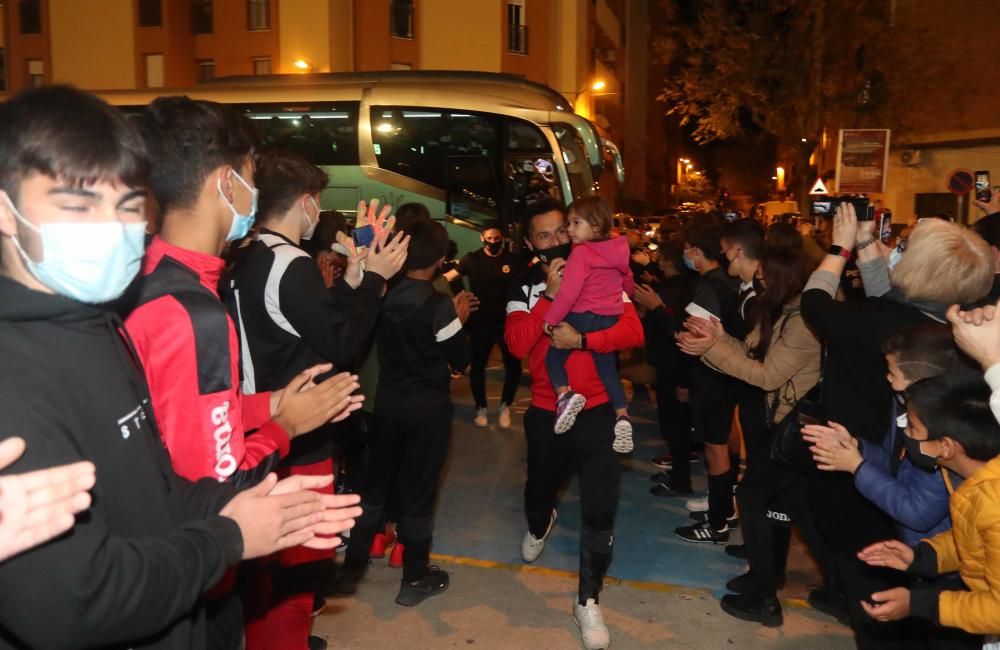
[[133, 570], [420, 341]]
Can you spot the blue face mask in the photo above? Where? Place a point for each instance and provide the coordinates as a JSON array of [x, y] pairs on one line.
[[241, 222], [894, 258], [688, 262], [88, 262]]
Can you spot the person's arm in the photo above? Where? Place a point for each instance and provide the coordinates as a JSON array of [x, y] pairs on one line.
[[976, 611], [449, 335], [113, 589], [875, 275], [194, 394], [574, 276], [624, 335], [788, 355], [335, 333], [945, 551], [916, 499]]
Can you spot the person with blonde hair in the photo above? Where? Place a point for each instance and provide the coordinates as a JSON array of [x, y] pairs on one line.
[[941, 263]]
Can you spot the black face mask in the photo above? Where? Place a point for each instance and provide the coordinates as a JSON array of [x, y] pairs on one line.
[[493, 247], [554, 253], [758, 286], [917, 457]]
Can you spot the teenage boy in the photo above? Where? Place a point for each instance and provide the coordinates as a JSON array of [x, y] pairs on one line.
[[713, 395], [288, 321], [420, 341], [73, 175], [187, 343], [588, 451], [952, 426], [492, 271]]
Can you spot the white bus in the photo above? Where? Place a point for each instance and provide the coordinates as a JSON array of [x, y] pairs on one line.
[[473, 147]]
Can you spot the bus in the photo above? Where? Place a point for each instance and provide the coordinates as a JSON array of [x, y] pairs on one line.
[[475, 148]]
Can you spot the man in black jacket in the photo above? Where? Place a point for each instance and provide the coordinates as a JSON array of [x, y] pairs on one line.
[[132, 572], [288, 322]]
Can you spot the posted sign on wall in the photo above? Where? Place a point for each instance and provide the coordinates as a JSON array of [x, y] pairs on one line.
[[862, 160]]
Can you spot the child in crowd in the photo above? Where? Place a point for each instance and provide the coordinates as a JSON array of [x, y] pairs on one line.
[[951, 425], [590, 298], [904, 487]]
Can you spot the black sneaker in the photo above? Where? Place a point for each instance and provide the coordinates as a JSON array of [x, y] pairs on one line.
[[702, 515], [703, 533], [664, 488], [666, 461], [763, 610], [744, 584], [431, 584], [317, 643], [347, 582], [319, 604], [831, 601], [738, 551]]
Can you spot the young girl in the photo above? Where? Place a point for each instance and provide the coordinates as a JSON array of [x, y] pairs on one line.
[[590, 299]]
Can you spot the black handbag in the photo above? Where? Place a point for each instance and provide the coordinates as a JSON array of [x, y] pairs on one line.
[[787, 446]]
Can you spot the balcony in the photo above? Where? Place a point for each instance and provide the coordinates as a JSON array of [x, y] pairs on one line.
[[517, 39]]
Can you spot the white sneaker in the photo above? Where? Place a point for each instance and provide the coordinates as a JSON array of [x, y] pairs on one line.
[[481, 421], [592, 628], [503, 417], [531, 547], [698, 504]]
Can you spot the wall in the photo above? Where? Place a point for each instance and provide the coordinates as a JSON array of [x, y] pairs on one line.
[[904, 182], [568, 38], [534, 64], [458, 35], [304, 34], [23, 47], [341, 14], [232, 46], [99, 56], [371, 20]]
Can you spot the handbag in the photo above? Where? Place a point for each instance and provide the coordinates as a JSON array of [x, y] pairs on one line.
[[787, 446]]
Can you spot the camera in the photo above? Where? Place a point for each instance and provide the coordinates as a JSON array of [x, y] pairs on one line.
[[827, 207]]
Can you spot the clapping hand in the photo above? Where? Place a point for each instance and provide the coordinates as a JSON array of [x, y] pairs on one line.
[[833, 447], [977, 333]]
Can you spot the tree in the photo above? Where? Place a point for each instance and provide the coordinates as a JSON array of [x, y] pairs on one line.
[[787, 68]]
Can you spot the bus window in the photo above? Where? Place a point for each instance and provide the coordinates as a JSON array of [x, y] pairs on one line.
[[472, 189], [525, 136], [577, 167], [418, 142], [325, 134]]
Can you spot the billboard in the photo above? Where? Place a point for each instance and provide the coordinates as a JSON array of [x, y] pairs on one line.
[[862, 160]]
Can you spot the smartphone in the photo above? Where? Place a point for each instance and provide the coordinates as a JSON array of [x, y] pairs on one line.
[[806, 420], [363, 236], [885, 227], [984, 191]]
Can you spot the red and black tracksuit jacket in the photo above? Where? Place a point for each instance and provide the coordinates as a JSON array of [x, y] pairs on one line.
[[190, 353]]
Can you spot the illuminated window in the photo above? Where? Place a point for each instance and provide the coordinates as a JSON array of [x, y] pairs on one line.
[[258, 15]]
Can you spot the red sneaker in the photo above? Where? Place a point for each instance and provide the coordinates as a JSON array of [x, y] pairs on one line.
[[396, 558]]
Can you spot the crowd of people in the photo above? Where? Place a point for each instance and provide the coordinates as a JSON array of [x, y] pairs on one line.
[[193, 351]]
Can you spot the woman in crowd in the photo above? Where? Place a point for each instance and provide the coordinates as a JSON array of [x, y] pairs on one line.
[[782, 356], [944, 263]]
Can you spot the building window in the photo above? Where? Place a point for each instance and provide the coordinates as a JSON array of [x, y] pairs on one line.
[[154, 71], [258, 15], [201, 16], [150, 13], [400, 66], [401, 18], [206, 70], [31, 16], [262, 65], [517, 39], [36, 73]]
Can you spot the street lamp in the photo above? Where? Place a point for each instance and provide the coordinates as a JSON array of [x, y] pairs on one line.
[[598, 85], [303, 65]]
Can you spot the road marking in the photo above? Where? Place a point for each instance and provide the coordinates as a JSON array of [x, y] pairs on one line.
[[661, 587]]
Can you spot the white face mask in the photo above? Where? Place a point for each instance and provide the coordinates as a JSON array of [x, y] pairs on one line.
[[88, 262], [311, 228], [241, 222]]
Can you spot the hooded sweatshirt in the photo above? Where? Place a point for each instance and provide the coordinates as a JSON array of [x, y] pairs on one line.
[[132, 571], [595, 275]]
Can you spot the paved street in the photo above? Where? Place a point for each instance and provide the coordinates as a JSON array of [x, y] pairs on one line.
[[663, 592]]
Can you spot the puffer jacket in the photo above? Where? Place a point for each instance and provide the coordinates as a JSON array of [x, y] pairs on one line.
[[789, 369], [971, 547]]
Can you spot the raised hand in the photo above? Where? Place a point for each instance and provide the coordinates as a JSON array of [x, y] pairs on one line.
[[40, 505], [381, 222], [304, 406], [388, 255], [645, 296], [977, 333], [833, 448]]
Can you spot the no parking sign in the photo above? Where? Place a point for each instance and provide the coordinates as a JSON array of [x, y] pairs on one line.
[[961, 182]]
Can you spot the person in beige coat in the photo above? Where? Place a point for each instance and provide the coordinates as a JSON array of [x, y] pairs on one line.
[[782, 356]]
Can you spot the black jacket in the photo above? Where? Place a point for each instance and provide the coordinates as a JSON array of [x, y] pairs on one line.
[[289, 321], [132, 572]]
